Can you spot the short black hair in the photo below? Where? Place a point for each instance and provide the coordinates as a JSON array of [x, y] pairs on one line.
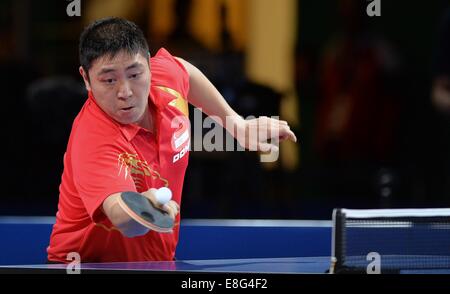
[[108, 36]]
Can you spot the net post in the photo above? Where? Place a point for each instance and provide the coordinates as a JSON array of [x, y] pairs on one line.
[[338, 241]]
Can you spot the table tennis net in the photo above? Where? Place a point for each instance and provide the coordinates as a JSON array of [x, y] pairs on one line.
[[391, 240]]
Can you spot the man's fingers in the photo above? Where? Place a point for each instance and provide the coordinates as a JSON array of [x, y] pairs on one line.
[[264, 134], [283, 132], [267, 147], [167, 208], [288, 135], [150, 194], [176, 207], [172, 208], [277, 129]]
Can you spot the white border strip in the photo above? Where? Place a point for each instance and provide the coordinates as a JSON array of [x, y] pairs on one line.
[[374, 213], [255, 223]]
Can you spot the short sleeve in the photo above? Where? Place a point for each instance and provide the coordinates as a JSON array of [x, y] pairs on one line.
[[168, 71], [98, 172]]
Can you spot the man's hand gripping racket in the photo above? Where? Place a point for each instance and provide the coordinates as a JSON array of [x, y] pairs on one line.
[[155, 210]]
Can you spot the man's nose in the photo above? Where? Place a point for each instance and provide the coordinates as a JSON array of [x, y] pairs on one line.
[[124, 91]]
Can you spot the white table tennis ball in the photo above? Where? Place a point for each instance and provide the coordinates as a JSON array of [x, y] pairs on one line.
[[163, 195]]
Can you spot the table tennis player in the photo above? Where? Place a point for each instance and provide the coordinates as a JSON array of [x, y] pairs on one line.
[[128, 150]]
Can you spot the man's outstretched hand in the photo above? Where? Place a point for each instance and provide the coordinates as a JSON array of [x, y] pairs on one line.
[[262, 134]]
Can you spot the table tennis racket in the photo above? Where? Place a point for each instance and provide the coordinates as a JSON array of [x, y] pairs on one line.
[[145, 212]]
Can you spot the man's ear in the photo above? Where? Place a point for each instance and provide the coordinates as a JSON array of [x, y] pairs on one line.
[[85, 78]]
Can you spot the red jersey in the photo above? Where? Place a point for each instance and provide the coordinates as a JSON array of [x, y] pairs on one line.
[[104, 157]]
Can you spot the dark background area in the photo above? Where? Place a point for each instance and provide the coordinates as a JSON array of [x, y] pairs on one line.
[[389, 152]]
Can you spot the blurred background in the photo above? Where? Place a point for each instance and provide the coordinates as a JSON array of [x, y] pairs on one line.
[[368, 98]]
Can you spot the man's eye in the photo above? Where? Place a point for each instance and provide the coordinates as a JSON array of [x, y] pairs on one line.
[[134, 76], [109, 81]]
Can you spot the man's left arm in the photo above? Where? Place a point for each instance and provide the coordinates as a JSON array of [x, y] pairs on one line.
[[204, 95]]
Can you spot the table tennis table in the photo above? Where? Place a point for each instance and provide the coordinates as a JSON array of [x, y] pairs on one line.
[[293, 265], [285, 266], [206, 246]]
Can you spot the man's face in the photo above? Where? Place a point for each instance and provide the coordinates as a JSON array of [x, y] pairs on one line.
[[121, 86]]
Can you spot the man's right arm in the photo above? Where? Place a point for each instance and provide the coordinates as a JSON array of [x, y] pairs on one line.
[[124, 222]]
